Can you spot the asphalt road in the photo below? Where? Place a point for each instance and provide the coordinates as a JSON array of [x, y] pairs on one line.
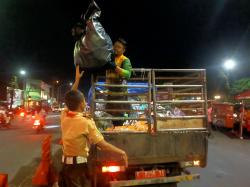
[[228, 163], [20, 153], [20, 148]]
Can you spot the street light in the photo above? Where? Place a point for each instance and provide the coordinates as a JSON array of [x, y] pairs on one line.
[[229, 64], [217, 97], [65, 85], [22, 72], [54, 88]]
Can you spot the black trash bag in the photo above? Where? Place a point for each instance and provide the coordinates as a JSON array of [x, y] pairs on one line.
[[95, 49]]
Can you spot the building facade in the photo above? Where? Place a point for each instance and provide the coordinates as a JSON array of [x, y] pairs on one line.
[[36, 92]]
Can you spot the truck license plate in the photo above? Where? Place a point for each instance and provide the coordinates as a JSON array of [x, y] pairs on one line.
[[150, 174]]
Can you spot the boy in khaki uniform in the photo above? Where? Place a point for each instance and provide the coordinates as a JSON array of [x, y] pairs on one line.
[[78, 132]]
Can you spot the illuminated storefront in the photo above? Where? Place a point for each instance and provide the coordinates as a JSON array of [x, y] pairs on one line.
[[35, 92], [17, 97]]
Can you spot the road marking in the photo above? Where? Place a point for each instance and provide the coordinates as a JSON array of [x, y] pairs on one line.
[[51, 126], [53, 116]]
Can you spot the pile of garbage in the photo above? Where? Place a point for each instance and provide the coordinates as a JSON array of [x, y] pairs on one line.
[[139, 112], [103, 124], [167, 110], [138, 126]]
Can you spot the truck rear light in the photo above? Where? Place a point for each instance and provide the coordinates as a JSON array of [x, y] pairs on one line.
[[112, 169], [196, 163], [190, 163]]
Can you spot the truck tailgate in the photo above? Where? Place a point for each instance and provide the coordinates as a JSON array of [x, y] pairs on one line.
[[163, 147]]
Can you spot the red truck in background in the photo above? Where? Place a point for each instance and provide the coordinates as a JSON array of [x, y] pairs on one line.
[[229, 116], [223, 115]]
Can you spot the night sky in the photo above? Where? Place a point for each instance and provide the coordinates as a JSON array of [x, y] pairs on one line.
[[36, 35]]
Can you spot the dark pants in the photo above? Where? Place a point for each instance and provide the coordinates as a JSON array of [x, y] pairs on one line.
[[74, 175], [118, 106], [114, 106]]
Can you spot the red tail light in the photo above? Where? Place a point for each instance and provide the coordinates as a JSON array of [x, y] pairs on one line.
[[37, 122], [112, 169], [22, 114]]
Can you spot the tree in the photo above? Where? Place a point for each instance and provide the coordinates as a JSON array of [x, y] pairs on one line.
[[13, 85], [239, 86]]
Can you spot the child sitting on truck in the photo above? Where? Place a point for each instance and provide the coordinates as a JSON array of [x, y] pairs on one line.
[[78, 132]]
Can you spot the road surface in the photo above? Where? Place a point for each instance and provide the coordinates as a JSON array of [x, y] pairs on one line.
[[228, 163], [20, 153], [20, 148]]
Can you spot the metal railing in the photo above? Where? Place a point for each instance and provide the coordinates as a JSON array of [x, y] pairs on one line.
[[187, 96], [141, 75], [185, 88]]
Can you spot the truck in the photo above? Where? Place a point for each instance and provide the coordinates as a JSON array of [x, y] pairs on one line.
[[223, 115], [164, 132]]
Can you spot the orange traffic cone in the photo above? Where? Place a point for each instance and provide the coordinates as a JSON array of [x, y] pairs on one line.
[[45, 173], [3, 180]]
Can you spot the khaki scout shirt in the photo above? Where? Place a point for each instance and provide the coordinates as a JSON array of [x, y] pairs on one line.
[[78, 132]]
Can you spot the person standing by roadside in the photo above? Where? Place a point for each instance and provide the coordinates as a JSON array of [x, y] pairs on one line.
[[209, 118]]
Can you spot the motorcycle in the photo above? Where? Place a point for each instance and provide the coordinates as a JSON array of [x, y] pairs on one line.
[[38, 123], [11, 114], [22, 115], [4, 120]]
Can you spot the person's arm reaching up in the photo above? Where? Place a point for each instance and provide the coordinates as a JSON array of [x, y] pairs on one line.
[[78, 76]]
